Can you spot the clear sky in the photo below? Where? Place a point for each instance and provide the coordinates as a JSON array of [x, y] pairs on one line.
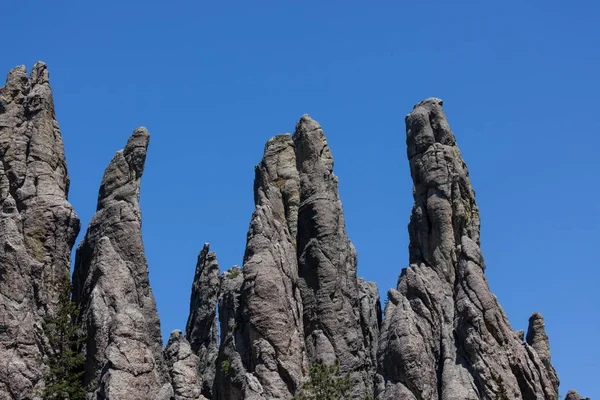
[[212, 81]]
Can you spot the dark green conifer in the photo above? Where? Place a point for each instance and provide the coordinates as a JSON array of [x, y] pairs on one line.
[[64, 362], [325, 383]]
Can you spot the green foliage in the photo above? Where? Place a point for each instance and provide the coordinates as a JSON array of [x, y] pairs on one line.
[[501, 394], [325, 383], [65, 360], [234, 273], [225, 366]]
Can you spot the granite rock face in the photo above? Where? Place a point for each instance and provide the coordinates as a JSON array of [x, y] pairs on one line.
[[327, 265], [272, 306], [573, 395], [233, 381], [38, 226], [444, 335], [124, 358], [183, 366], [202, 331], [296, 301]]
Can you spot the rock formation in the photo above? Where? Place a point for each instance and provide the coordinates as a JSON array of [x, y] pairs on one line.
[[124, 357], [573, 395], [327, 264], [444, 335], [38, 226], [296, 301], [202, 331], [233, 381], [183, 366], [272, 306]]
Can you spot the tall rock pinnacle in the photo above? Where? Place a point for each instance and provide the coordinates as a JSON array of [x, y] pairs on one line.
[[272, 306], [327, 264], [38, 226], [111, 287], [444, 335], [202, 331]]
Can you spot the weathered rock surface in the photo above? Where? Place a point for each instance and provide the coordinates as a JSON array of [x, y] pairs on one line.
[[327, 264], [272, 306], [202, 331], [233, 381], [38, 226], [370, 319], [573, 395], [538, 339], [444, 335], [124, 357], [183, 366]]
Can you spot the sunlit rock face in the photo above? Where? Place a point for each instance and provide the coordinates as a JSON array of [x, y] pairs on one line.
[[38, 227], [444, 335]]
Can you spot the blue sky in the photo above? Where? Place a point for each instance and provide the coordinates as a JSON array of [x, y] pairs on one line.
[[213, 81]]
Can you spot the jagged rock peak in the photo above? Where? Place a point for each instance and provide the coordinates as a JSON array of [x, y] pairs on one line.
[[202, 330], [271, 302], [38, 226], [124, 357], [183, 366], [573, 395], [538, 339], [327, 264], [122, 177], [444, 335]]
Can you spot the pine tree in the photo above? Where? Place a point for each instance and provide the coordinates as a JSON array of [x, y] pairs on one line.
[[65, 360], [325, 383]]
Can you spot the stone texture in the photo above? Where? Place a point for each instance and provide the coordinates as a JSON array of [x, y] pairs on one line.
[[271, 302], [38, 226], [124, 357], [183, 367], [327, 264], [538, 339], [233, 381], [370, 320], [444, 335], [202, 330], [573, 395]]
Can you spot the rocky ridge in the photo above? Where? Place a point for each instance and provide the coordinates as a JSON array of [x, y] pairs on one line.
[[253, 332]]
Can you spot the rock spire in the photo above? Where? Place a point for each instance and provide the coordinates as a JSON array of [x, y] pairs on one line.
[[124, 358], [444, 335], [38, 226]]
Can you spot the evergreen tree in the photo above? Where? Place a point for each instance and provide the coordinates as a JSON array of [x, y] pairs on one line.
[[325, 383], [65, 359]]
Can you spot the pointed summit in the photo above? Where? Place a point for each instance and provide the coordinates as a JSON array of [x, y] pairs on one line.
[[124, 357], [444, 335], [38, 226]]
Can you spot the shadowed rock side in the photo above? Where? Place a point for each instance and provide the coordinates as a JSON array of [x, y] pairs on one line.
[[573, 395], [124, 357], [183, 366], [272, 306], [444, 335], [37, 226], [327, 265], [233, 381], [202, 331]]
